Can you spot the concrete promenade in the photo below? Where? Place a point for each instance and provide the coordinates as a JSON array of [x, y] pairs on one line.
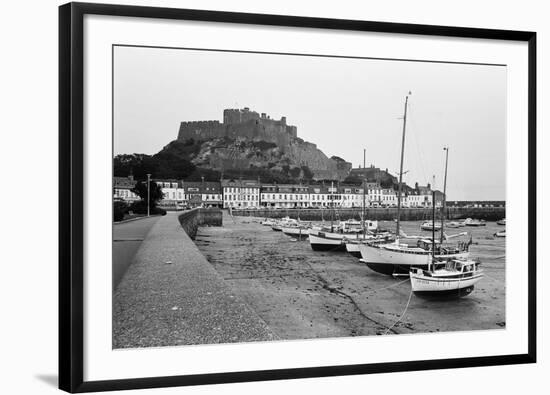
[[127, 238], [171, 295]]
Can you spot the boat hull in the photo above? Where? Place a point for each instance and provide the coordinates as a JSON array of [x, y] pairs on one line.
[[298, 233], [353, 249], [433, 286], [391, 262], [319, 242]]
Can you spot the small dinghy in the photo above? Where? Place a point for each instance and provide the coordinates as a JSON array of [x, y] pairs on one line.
[[429, 225], [501, 233], [474, 222]]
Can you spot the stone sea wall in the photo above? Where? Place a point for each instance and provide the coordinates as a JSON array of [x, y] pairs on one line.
[[192, 219], [383, 214]]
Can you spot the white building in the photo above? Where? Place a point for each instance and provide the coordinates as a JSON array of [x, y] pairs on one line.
[[241, 193], [284, 196], [122, 189], [174, 193]]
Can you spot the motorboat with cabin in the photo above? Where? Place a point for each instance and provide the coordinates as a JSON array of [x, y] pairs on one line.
[[446, 277]]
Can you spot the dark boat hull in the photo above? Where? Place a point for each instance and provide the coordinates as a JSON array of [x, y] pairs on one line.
[[391, 269], [452, 293], [328, 247]]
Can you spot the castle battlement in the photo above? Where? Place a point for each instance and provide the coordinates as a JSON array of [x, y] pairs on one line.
[[242, 123]]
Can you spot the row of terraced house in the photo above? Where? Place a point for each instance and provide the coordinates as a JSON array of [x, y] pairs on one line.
[[246, 194]]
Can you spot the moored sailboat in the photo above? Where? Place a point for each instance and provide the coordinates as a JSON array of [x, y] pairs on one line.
[[397, 257], [298, 231], [445, 277]]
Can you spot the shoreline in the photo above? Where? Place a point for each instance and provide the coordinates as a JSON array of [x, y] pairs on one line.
[[303, 294]]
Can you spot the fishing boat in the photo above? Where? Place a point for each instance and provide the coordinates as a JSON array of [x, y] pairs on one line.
[[452, 277], [445, 277], [268, 222], [397, 258], [428, 225], [501, 221], [474, 222], [501, 233]]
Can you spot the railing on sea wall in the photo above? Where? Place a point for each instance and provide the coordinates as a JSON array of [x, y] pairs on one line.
[[192, 219], [387, 214]]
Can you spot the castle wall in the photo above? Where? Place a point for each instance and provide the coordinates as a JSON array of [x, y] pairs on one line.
[[241, 123], [201, 130]]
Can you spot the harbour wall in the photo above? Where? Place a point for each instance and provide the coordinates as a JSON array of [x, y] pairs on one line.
[[192, 219], [382, 214]]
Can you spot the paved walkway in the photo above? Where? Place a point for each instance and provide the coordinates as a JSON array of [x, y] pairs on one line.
[[171, 295], [127, 238]]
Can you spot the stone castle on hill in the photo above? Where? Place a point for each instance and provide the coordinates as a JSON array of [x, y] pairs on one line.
[[241, 123], [245, 124]]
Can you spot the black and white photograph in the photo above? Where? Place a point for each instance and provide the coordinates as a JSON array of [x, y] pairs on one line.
[[279, 196]]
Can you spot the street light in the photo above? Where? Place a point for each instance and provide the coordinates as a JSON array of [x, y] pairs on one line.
[[148, 193]]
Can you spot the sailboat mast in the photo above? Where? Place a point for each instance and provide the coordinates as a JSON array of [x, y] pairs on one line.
[[433, 227], [364, 179], [446, 149], [399, 187], [332, 206]]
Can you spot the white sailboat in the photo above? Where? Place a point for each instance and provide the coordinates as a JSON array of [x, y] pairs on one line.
[[397, 257], [298, 231], [352, 245], [445, 277]]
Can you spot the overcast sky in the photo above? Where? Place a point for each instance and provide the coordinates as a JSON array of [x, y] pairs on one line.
[[342, 105]]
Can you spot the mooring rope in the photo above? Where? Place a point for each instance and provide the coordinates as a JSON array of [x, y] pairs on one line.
[[402, 314], [390, 286]]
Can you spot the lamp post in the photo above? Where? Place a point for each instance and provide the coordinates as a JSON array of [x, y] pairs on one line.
[[148, 193]]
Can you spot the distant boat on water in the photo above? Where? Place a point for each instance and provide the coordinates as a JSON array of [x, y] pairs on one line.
[[474, 222], [429, 225], [286, 221], [454, 224], [501, 233], [501, 221]]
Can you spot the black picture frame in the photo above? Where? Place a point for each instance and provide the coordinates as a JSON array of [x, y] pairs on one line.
[[71, 181]]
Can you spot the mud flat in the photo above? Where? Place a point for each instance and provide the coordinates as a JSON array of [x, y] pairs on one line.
[[301, 293]]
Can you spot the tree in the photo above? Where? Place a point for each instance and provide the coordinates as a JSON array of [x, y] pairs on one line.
[[155, 194], [308, 174]]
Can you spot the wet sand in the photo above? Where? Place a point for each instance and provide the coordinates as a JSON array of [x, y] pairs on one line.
[[301, 293]]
